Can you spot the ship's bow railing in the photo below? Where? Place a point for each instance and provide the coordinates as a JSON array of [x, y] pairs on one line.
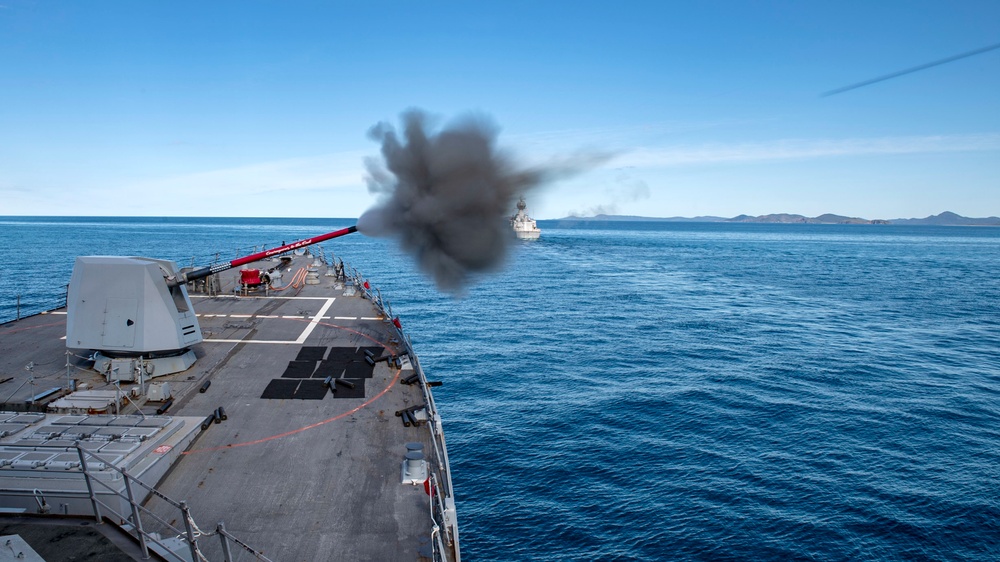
[[441, 495], [442, 498], [189, 535], [122, 507]]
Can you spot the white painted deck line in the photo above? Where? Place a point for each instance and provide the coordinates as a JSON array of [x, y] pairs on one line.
[[313, 322], [276, 316], [256, 297]]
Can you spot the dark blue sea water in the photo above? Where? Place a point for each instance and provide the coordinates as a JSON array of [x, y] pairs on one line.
[[665, 391]]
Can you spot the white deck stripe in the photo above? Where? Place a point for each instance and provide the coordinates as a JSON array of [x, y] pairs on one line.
[[266, 298], [313, 322], [282, 342], [298, 316]]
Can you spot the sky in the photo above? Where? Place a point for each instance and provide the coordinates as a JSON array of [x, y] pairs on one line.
[[262, 109]]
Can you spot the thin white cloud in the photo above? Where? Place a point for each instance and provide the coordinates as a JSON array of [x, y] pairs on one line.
[[294, 174], [790, 149], [307, 186], [612, 138]]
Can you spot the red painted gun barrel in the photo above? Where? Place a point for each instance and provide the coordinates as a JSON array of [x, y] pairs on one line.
[[206, 271]]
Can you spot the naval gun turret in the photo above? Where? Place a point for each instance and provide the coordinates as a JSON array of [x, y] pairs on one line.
[[135, 312], [123, 308]]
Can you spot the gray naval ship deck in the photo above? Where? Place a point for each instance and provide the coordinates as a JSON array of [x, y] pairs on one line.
[[328, 445]]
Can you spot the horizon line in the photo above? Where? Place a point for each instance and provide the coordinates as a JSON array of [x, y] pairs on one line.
[[567, 217]]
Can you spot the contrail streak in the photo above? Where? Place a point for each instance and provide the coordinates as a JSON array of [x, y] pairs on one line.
[[910, 70]]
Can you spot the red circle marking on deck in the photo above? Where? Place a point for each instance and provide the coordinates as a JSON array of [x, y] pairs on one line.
[[319, 423]]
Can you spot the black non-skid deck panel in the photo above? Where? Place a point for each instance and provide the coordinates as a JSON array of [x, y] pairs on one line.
[[344, 354], [311, 389], [354, 353], [280, 389], [299, 370], [329, 368], [357, 392], [300, 389], [358, 370], [311, 353]]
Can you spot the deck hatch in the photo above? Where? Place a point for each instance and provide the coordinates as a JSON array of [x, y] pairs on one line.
[[11, 428]]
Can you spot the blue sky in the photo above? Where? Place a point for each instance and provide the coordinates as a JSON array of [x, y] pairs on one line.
[[711, 108]]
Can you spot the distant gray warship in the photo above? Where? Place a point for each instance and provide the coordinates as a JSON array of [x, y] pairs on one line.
[[274, 413], [523, 225]]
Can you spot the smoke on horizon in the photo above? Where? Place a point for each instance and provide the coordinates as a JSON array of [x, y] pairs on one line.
[[447, 194], [626, 189]]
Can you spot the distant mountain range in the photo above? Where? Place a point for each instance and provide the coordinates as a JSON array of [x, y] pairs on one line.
[[946, 218]]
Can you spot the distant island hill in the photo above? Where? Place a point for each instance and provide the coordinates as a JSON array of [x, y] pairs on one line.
[[946, 218]]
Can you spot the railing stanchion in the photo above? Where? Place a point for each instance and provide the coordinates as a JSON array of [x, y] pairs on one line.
[[90, 485], [136, 519], [226, 554], [192, 541]]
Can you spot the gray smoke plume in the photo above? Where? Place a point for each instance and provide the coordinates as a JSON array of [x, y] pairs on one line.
[[447, 194], [625, 189]]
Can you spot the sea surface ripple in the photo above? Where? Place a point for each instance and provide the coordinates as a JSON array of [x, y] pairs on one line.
[[665, 391]]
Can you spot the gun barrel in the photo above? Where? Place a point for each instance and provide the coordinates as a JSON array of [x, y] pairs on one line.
[[206, 271]]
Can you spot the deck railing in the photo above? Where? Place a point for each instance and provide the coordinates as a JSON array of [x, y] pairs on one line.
[[190, 534], [15, 309], [137, 520], [441, 498], [442, 502]]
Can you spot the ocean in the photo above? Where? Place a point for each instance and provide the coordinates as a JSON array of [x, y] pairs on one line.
[[673, 391]]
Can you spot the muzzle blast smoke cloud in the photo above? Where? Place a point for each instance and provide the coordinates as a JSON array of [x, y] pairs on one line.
[[446, 194]]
